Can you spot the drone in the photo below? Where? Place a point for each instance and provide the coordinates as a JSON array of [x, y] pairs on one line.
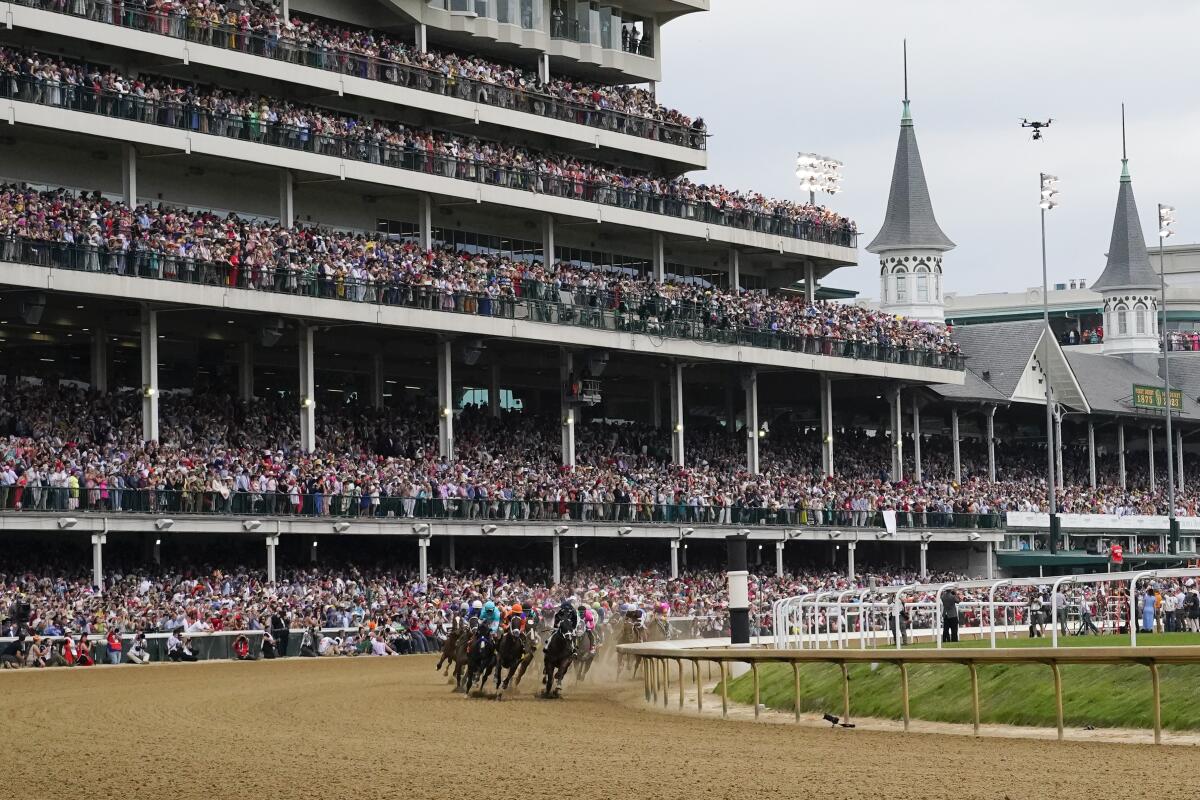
[[1037, 127]]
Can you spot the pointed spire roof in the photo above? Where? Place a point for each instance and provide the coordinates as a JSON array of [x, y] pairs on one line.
[[909, 223], [1128, 262]]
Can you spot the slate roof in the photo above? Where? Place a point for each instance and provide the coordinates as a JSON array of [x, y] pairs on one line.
[[1108, 380], [1002, 349], [1128, 262], [909, 223]]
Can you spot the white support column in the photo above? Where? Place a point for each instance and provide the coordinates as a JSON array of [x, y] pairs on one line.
[[677, 453], [991, 560], [445, 392], [312, 552], [272, 543], [494, 391], [425, 219], [422, 40], [98, 540], [1091, 452], [991, 443], [246, 372], [450, 554], [1058, 448], [556, 561], [826, 388], [897, 412], [810, 283], [158, 552], [548, 242], [285, 11], [955, 445], [1150, 454], [656, 404], [129, 165], [924, 560], [308, 390], [377, 381], [567, 420], [99, 360], [750, 381], [149, 352], [916, 418], [779, 558], [1179, 460], [735, 269], [423, 559], [1121, 455], [658, 256], [850, 548], [674, 559], [544, 67], [287, 198]]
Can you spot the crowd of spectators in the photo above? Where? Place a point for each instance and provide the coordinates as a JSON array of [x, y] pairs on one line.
[[62, 448], [1086, 336], [47, 79], [96, 233], [258, 27]]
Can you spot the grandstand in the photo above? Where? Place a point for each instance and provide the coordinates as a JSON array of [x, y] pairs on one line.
[[449, 270]]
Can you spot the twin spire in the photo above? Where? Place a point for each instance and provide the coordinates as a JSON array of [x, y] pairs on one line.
[[1128, 264]]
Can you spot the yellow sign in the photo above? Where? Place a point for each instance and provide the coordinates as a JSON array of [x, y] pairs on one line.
[[1154, 397]]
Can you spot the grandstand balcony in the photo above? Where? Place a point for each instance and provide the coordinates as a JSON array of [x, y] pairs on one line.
[[360, 84]]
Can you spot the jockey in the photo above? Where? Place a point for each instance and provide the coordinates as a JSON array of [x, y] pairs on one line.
[[589, 623], [489, 616], [567, 615], [636, 615], [518, 613]]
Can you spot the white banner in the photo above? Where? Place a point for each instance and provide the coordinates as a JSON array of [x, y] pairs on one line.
[[1099, 522], [889, 521]]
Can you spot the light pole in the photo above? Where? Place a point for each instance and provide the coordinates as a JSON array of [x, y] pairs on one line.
[[818, 173], [1049, 200], [1166, 218]]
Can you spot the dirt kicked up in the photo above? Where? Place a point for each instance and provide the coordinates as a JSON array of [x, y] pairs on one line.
[[391, 728]]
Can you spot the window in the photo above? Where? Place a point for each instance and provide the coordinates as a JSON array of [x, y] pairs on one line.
[[901, 289], [1140, 317], [883, 289], [1122, 325], [922, 288]]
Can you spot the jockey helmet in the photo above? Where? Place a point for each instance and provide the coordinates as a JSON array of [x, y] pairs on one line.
[[567, 603], [516, 609], [489, 606], [477, 604]]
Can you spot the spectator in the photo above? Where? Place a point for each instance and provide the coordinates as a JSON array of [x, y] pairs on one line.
[[138, 652]]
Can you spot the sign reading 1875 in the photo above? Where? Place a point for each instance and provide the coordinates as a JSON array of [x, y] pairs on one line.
[[1155, 397]]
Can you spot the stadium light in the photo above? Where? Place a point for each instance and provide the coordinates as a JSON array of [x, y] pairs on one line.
[[420, 528], [251, 525], [306, 402], [818, 173], [164, 523], [341, 527], [974, 537], [624, 531], [157, 542], [1049, 192], [926, 537], [561, 529], [1166, 218], [148, 391], [484, 529], [686, 532], [67, 522], [835, 534]]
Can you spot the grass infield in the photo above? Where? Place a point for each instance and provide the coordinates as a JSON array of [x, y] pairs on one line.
[[1017, 694]]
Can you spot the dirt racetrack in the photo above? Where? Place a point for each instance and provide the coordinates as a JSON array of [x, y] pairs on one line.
[[391, 728]]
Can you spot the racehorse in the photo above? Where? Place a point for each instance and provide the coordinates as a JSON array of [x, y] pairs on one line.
[[586, 647], [559, 654], [461, 645], [450, 647], [481, 658], [631, 632], [514, 653]]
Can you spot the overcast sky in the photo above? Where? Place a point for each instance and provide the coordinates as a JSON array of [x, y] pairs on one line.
[[773, 77]]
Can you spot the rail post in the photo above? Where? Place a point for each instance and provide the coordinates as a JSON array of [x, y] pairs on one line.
[[699, 688], [645, 676], [1058, 701], [1154, 682], [679, 665], [974, 696], [666, 675], [754, 674], [652, 669], [796, 686], [845, 693], [904, 694], [724, 692]]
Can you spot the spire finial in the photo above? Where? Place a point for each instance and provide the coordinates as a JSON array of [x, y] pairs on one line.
[[906, 72], [1124, 155]]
